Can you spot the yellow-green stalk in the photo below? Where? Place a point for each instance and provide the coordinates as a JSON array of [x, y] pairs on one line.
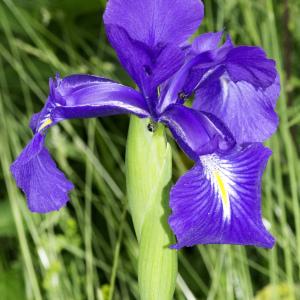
[[148, 175]]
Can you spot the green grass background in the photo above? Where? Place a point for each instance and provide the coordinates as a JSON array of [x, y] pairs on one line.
[[88, 250]]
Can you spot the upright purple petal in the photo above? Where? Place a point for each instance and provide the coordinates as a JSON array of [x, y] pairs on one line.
[[184, 81], [217, 72], [46, 187], [156, 22], [219, 200], [148, 67], [147, 36], [242, 63], [195, 132], [207, 42], [239, 85], [247, 111], [202, 58], [250, 64]]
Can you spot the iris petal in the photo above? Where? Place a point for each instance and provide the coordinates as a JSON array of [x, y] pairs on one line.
[[76, 96], [147, 66], [246, 63], [247, 111], [86, 96], [156, 22], [242, 63], [207, 62], [206, 42], [45, 186], [147, 36], [218, 201], [197, 133], [239, 85], [202, 58]]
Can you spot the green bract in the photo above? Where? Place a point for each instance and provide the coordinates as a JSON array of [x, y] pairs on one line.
[[148, 173]]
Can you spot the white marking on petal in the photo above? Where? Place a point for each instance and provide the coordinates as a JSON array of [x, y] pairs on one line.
[[221, 181], [225, 87]]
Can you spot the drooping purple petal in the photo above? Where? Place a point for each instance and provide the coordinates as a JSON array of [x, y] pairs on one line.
[[41, 120], [86, 96], [46, 187], [247, 111], [34, 121], [195, 132], [76, 96], [219, 200], [156, 22], [147, 66]]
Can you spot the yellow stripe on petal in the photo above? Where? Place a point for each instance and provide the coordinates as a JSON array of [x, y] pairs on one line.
[[224, 194], [46, 123], [219, 181]]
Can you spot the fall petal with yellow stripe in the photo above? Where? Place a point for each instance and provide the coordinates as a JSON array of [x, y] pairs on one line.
[[219, 200]]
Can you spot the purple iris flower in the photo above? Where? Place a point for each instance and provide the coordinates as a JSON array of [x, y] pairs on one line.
[[235, 91]]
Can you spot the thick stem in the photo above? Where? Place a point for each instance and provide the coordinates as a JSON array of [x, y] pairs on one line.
[[148, 175]]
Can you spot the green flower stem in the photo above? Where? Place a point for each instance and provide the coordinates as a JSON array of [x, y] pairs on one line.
[[148, 174]]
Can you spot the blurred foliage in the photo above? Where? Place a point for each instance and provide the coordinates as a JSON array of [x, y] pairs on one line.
[[282, 290], [73, 254]]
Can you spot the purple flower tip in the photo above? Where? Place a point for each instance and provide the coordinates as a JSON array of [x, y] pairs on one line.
[[45, 186]]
